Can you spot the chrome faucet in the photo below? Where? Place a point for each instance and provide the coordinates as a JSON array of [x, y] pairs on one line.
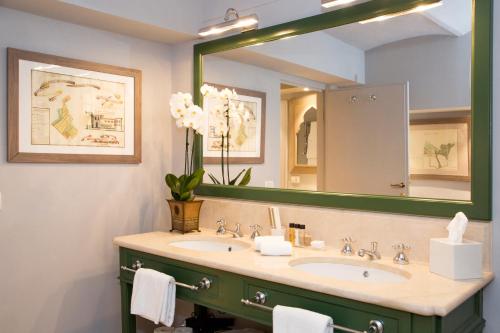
[[237, 233], [221, 226], [372, 254], [222, 230]]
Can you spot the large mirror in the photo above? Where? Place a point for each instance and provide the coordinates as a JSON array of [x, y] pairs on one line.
[[377, 107]]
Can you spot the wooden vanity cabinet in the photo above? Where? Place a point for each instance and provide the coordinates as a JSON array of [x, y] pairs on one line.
[[228, 289]]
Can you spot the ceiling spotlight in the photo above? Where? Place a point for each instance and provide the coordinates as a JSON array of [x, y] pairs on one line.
[[417, 9], [232, 21], [335, 3]]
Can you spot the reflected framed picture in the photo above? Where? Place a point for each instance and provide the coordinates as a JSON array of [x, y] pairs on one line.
[[247, 139], [440, 149], [63, 110]]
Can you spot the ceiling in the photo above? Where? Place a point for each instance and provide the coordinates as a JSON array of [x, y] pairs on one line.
[[453, 18]]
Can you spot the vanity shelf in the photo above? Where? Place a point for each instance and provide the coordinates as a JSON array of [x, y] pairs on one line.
[[227, 290]]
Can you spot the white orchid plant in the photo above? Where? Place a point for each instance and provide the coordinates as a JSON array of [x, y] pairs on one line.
[[191, 117], [225, 114]]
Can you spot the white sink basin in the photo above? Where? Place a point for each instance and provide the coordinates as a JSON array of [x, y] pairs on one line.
[[350, 271], [210, 245]]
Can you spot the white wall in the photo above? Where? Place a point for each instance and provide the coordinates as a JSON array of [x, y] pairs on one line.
[[318, 51], [59, 266], [437, 67], [492, 293]]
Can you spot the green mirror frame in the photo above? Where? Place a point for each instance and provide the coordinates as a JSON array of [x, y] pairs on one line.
[[479, 208]]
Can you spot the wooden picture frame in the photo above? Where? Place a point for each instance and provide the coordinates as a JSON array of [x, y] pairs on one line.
[[259, 159], [63, 110], [459, 153]]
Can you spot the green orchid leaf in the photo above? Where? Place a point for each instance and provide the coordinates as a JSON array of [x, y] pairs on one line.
[[185, 196], [232, 182], [214, 180], [246, 178], [171, 180], [194, 180]]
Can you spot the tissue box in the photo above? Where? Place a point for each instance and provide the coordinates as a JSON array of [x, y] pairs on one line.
[[457, 261]]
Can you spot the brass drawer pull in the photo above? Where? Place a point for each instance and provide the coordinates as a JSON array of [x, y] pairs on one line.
[[375, 326], [205, 283]]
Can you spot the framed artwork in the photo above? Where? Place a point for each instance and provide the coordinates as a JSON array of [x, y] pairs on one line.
[[247, 140], [64, 110], [440, 149]]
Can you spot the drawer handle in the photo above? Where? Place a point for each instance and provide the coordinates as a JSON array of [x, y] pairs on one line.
[[375, 326], [205, 283]]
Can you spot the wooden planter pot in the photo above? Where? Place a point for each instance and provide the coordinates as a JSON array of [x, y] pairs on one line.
[[185, 215]]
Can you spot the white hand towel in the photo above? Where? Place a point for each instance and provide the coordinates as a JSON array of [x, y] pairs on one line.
[[153, 296], [276, 248], [294, 320], [260, 239]]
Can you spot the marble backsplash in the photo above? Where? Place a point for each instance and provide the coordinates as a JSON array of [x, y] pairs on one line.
[[331, 225]]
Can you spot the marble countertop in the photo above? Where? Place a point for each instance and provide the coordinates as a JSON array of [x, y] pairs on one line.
[[424, 293]]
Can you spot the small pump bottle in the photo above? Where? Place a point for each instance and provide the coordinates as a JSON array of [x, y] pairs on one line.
[[297, 240], [291, 233]]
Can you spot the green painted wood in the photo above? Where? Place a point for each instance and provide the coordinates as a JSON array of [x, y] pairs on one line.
[[229, 288], [128, 320], [478, 208]]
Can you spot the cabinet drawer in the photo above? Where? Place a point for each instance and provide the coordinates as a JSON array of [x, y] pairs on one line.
[[344, 312], [186, 275]]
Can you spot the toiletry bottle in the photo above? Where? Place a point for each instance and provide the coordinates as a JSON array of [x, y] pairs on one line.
[[307, 239], [291, 233], [297, 235], [302, 234]]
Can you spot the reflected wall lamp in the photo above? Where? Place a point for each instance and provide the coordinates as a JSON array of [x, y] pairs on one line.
[[232, 21]]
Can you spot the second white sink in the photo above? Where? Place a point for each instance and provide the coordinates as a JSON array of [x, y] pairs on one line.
[[210, 245], [349, 271]]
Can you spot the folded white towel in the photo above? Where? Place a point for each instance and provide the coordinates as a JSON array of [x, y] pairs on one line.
[[276, 248], [260, 239], [153, 296], [294, 320]]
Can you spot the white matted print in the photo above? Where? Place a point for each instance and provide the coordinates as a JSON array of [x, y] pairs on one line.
[[246, 136], [65, 110], [439, 149]]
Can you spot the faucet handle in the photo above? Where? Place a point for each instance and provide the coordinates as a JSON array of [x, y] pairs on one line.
[[347, 249], [401, 258], [221, 222], [374, 246], [401, 247], [347, 240], [256, 230]]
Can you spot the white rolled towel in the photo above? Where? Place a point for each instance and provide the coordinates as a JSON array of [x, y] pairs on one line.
[[260, 239], [276, 248]]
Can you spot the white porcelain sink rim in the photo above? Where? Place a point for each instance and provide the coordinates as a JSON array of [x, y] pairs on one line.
[[209, 244], [395, 275]]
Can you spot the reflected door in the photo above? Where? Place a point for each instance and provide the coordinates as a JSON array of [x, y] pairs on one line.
[[366, 140]]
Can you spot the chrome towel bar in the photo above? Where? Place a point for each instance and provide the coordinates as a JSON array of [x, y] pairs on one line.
[[204, 283], [375, 326]]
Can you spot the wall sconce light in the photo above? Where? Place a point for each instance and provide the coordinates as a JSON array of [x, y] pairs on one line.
[[417, 9], [232, 21], [335, 3]]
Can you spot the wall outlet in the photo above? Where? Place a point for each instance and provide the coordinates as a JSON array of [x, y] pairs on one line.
[[269, 183], [295, 179]]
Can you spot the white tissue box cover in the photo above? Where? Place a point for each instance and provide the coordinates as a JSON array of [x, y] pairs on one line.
[[457, 261]]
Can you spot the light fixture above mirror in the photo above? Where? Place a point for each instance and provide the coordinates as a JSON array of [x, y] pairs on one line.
[[232, 21]]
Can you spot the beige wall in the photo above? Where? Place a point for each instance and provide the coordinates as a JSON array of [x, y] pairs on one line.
[[59, 268]]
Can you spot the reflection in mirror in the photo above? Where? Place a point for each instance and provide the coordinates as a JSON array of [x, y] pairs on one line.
[[379, 107]]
